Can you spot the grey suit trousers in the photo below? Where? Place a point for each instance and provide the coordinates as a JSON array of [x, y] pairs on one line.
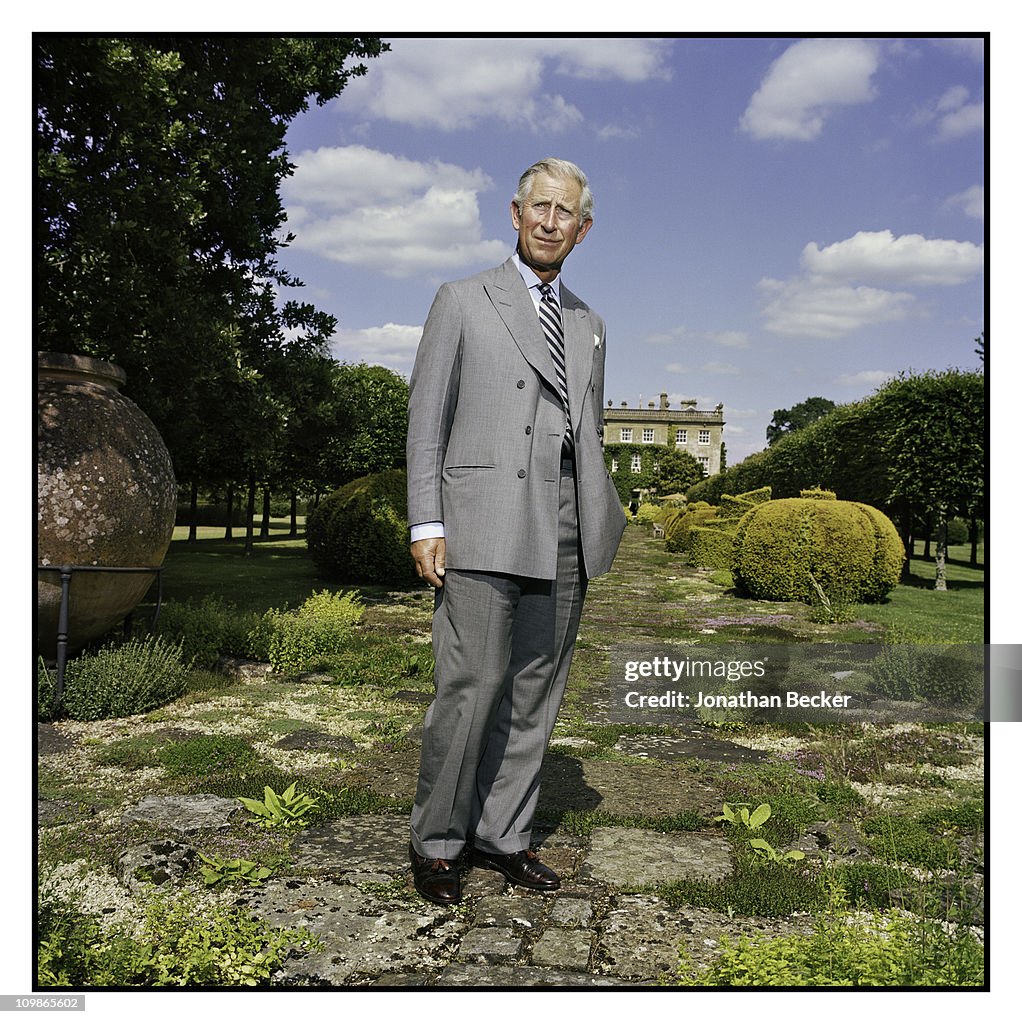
[[503, 647]]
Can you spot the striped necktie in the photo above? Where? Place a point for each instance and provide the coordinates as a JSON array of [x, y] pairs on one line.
[[550, 318]]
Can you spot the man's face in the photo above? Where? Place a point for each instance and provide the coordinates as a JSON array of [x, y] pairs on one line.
[[548, 224]]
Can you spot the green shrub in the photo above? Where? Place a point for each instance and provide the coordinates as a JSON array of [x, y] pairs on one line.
[[759, 887], [677, 536], [874, 885], [648, 513], [889, 556], [360, 532], [178, 944], [710, 547], [316, 632], [950, 676], [783, 546], [898, 839], [118, 680], [818, 494], [206, 629], [881, 951]]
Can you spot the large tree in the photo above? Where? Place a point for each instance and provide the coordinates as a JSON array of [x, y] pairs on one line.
[[797, 417], [934, 445], [158, 216]]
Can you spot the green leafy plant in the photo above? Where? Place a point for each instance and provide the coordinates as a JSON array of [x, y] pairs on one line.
[[753, 821], [216, 870], [285, 810], [177, 944], [868, 950]]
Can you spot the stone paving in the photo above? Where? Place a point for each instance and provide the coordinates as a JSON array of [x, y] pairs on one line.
[[351, 887]]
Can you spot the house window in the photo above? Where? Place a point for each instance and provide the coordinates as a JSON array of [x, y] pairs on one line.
[[681, 436], [626, 433], [704, 437], [656, 466], [613, 465], [636, 463], [647, 435], [704, 461]]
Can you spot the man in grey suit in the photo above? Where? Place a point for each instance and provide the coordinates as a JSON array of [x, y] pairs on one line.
[[512, 512]]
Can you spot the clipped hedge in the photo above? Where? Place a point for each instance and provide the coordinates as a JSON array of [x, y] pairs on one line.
[[360, 532], [710, 547], [850, 549], [710, 541], [676, 533]]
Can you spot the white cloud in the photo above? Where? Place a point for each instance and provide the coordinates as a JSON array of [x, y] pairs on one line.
[[972, 201], [836, 292], [392, 345], [814, 309], [806, 83], [726, 339], [954, 115], [729, 339], [879, 257], [455, 83], [715, 366], [867, 378], [403, 217]]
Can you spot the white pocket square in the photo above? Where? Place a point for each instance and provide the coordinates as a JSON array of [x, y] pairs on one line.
[[596, 341]]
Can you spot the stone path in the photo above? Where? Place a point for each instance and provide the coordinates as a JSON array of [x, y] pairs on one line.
[[351, 888]]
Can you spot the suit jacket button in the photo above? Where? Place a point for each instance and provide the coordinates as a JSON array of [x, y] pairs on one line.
[[521, 384], [528, 430], [521, 474]]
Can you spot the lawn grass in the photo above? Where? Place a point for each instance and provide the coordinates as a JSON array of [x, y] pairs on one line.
[[277, 573], [915, 612]]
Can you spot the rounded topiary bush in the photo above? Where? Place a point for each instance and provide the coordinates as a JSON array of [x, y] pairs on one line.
[[360, 532], [782, 546]]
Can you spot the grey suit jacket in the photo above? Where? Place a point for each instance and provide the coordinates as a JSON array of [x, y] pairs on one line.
[[485, 427]]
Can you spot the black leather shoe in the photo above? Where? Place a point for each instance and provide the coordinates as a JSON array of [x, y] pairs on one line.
[[436, 879], [522, 868]]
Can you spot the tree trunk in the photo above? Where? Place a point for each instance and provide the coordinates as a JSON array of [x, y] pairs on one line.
[[193, 518], [974, 542], [909, 542], [929, 534], [264, 530], [229, 529], [250, 516], [941, 583], [294, 514]]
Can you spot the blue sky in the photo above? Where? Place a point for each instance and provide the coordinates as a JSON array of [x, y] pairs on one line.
[[775, 217]]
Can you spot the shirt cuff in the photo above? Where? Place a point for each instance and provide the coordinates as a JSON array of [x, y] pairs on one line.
[[421, 531]]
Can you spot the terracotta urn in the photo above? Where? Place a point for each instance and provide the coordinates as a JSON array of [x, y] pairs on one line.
[[106, 497]]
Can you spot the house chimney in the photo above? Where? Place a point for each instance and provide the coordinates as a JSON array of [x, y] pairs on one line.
[[663, 399]]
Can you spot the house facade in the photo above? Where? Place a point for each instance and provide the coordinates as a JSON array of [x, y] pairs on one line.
[[696, 431]]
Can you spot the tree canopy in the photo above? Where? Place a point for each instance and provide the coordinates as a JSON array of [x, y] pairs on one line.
[[158, 221], [797, 417]]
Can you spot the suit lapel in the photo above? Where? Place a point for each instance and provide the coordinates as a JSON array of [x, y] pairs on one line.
[[510, 297], [578, 351]]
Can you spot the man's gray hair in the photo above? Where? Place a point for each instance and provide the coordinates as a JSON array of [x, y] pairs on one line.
[[557, 168]]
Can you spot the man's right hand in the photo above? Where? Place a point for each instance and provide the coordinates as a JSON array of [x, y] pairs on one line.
[[430, 556]]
